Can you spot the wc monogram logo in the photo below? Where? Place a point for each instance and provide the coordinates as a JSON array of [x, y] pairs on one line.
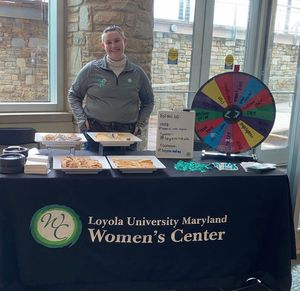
[[55, 226]]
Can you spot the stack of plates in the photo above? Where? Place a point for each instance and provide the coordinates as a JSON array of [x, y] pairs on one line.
[[16, 150], [12, 163]]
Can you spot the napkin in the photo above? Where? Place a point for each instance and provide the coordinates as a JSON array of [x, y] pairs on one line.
[[37, 164], [38, 158], [257, 167]]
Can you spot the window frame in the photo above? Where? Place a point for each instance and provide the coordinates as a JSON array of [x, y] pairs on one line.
[[55, 66], [202, 37]]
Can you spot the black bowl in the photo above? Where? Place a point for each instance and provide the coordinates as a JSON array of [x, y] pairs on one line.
[[16, 150], [12, 163]]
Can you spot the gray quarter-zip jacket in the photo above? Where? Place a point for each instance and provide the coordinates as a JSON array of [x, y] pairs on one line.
[[127, 98]]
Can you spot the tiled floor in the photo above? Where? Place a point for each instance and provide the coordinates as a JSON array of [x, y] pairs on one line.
[[296, 274], [296, 278]]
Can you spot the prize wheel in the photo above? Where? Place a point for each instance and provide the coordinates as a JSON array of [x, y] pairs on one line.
[[235, 112]]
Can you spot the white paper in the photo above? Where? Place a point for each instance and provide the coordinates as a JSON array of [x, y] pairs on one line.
[[175, 134]]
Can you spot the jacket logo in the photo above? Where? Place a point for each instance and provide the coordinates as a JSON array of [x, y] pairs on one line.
[[102, 82]]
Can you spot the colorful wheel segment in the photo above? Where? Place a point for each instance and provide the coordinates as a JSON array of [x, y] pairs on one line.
[[235, 112]]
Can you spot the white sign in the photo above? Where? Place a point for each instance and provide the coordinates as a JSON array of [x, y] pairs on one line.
[[175, 134]]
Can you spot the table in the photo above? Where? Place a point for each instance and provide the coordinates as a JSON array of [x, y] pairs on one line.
[[165, 230]]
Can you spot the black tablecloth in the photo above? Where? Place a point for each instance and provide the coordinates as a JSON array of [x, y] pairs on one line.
[[167, 230]]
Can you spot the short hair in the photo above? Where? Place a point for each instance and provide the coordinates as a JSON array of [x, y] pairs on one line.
[[113, 27]]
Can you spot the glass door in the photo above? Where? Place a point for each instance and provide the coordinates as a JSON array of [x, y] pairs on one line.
[[224, 29], [279, 74], [293, 168], [229, 35], [191, 42], [171, 57]]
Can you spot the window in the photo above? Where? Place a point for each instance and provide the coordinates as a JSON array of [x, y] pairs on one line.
[[229, 34], [31, 38], [171, 62]]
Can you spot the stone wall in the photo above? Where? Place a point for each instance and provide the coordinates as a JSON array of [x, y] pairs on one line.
[[220, 49], [86, 20], [168, 77], [23, 60], [284, 68]]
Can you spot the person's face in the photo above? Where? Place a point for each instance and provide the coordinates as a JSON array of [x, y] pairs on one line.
[[114, 45]]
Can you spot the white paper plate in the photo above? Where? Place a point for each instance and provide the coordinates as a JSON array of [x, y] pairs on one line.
[[156, 162], [105, 165], [127, 138], [39, 137]]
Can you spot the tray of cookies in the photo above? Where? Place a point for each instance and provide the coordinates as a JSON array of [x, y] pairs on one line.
[[114, 138], [135, 164], [60, 140], [80, 164]]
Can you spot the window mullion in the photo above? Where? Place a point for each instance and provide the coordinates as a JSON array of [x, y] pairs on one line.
[[202, 39]]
